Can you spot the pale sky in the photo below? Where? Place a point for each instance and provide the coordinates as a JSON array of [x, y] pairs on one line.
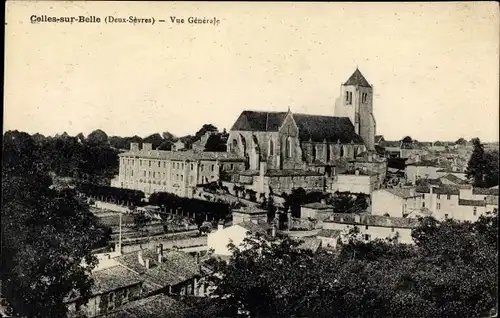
[[434, 66]]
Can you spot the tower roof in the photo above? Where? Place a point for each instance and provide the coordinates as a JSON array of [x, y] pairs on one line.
[[357, 79]]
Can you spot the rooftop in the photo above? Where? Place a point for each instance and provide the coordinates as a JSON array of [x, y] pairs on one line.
[[250, 210], [442, 189], [154, 306], [261, 227], [188, 155], [472, 202], [311, 127], [329, 233], [310, 243], [109, 279], [282, 173], [373, 220], [318, 206], [485, 191], [403, 193], [357, 79], [423, 163], [175, 267], [453, 178]]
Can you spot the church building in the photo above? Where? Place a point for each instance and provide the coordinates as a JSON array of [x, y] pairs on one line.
[[289, 142]]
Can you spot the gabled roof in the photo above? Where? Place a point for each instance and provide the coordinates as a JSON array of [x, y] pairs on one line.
[[357, 79], [320, 128], [261, 227], [259, 121], [453, 178], [485, 191], [311, 127], [403, 193], [379, 138]]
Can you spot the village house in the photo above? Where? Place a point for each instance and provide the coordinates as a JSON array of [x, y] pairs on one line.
[[423, 169], [169, 272], [218, 241], [329, 238], [114, 286], [372, 227], [373, 163], [461, 202], [154, 306], [316, 210], [357, 181], [396, 202], [249, 214]]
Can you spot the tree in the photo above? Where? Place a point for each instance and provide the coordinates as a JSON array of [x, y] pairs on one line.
[[45, 235], [461, 141], [477, 168], [449, 272], [97, 137], [407, 140], [491, 160]]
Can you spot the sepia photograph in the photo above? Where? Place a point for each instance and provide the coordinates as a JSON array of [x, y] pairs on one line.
[[245, 159]]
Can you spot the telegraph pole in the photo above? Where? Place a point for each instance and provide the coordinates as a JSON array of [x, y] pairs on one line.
[[120, 235]]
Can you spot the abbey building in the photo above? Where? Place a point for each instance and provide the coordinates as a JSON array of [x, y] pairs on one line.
[[266, 151]]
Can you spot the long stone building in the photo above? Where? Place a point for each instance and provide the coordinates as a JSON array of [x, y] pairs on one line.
[[266, 151]]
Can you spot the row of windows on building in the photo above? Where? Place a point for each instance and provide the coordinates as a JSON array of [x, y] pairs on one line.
[[175, 165], [348, 98]]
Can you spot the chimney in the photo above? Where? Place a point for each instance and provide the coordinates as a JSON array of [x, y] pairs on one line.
[[140, 258], [273, 230], [134, 146], [357, 218], [160, 258], [160, 247], [147, 263], [220, 226], [370, 157], [197, 258], [147, 146]]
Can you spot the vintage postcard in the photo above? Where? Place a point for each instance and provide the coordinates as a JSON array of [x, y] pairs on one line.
[[247, 159]]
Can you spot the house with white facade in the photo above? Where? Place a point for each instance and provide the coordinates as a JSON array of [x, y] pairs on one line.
[[421, 170], [371, 227], [460, 202], [219, 241], [358, 181], [396, 202]]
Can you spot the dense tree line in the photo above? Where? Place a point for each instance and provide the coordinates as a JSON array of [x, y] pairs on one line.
[[45, 233], [482, 169], [112, 194], [451, 271], [201, 209]]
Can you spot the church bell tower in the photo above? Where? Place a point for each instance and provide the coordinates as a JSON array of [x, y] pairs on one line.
[[356, 102]]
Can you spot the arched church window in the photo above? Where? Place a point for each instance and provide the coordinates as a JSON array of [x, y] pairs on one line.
[[271, 147], [244, 144], [289, 147], [234, 145], [314, 153], [341, 151], [327, 149]]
